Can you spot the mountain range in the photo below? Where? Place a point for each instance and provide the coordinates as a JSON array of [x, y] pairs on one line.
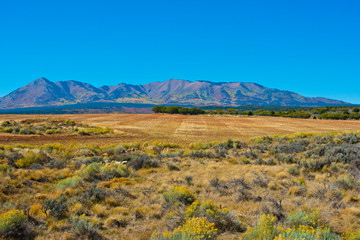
[[43, 92]]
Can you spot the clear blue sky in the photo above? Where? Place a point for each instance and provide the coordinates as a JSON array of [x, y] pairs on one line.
[[311, 47]]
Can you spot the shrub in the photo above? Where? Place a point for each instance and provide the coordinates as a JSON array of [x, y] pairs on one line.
[[163, 145], [4, 167], [194, 228], [305, 217], [56, 207], [13, 157], [189, 180], [265, 229], [70, 122], [346, 182], [295, 171], [6, 123], [351, 235], [91, 172], [84, 229], [179, 194], [173, 167], [143, 161], [114, 171], [70, 182], [94, 194], [202, 154], [12, 224], [221, 217], [202, 146], [307, 233], [31, 158], [25, 131]]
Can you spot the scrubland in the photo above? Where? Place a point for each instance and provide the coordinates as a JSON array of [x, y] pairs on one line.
[[297, 186]]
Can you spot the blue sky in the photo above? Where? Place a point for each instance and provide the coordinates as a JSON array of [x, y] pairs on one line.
[[309, 47]]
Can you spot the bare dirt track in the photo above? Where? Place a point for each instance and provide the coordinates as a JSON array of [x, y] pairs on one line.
[[181, 129]]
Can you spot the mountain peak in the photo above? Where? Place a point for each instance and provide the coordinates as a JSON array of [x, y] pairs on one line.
[[41, 80]]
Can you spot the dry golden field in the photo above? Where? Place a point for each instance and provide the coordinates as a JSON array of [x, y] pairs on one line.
[[180, 129]]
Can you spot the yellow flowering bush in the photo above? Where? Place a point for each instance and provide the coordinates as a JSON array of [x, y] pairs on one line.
[[179, 194], [351, 235], [31, 158], [221, 217], [304, 217], [267, 229], [194, 229], [10, 222], [264, 230], [306, 233]]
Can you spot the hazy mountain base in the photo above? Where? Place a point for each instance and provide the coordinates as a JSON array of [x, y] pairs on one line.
[[131, 191]]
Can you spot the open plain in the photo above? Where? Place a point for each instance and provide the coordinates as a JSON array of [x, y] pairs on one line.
[[134, 183], [180, 129]]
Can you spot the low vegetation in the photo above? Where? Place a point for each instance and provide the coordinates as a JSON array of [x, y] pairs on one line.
[[336, 112], [50, 127], [300, 186]]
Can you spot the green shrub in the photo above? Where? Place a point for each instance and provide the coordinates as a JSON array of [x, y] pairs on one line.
[[84, 229], [346, 182], [93, 194], [70, 182], [179, 194], [143, 161], [91, 172], [57, 208], [305, 218], [114, 171], [307, 233], [295, 171]]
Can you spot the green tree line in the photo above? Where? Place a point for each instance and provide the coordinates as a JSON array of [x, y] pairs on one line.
[[337, 113]]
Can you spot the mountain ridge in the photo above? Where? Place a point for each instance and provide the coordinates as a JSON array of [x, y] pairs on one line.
[[43, 92]]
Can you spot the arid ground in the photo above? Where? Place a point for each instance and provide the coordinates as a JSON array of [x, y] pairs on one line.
[[181, 129]]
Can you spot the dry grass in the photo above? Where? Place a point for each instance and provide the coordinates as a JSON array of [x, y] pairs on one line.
[[180, 129]]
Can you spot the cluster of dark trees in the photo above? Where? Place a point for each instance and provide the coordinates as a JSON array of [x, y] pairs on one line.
[[336, 112], [178, 110]]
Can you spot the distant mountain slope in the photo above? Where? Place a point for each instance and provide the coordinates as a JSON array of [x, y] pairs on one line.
[[43, 92]]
